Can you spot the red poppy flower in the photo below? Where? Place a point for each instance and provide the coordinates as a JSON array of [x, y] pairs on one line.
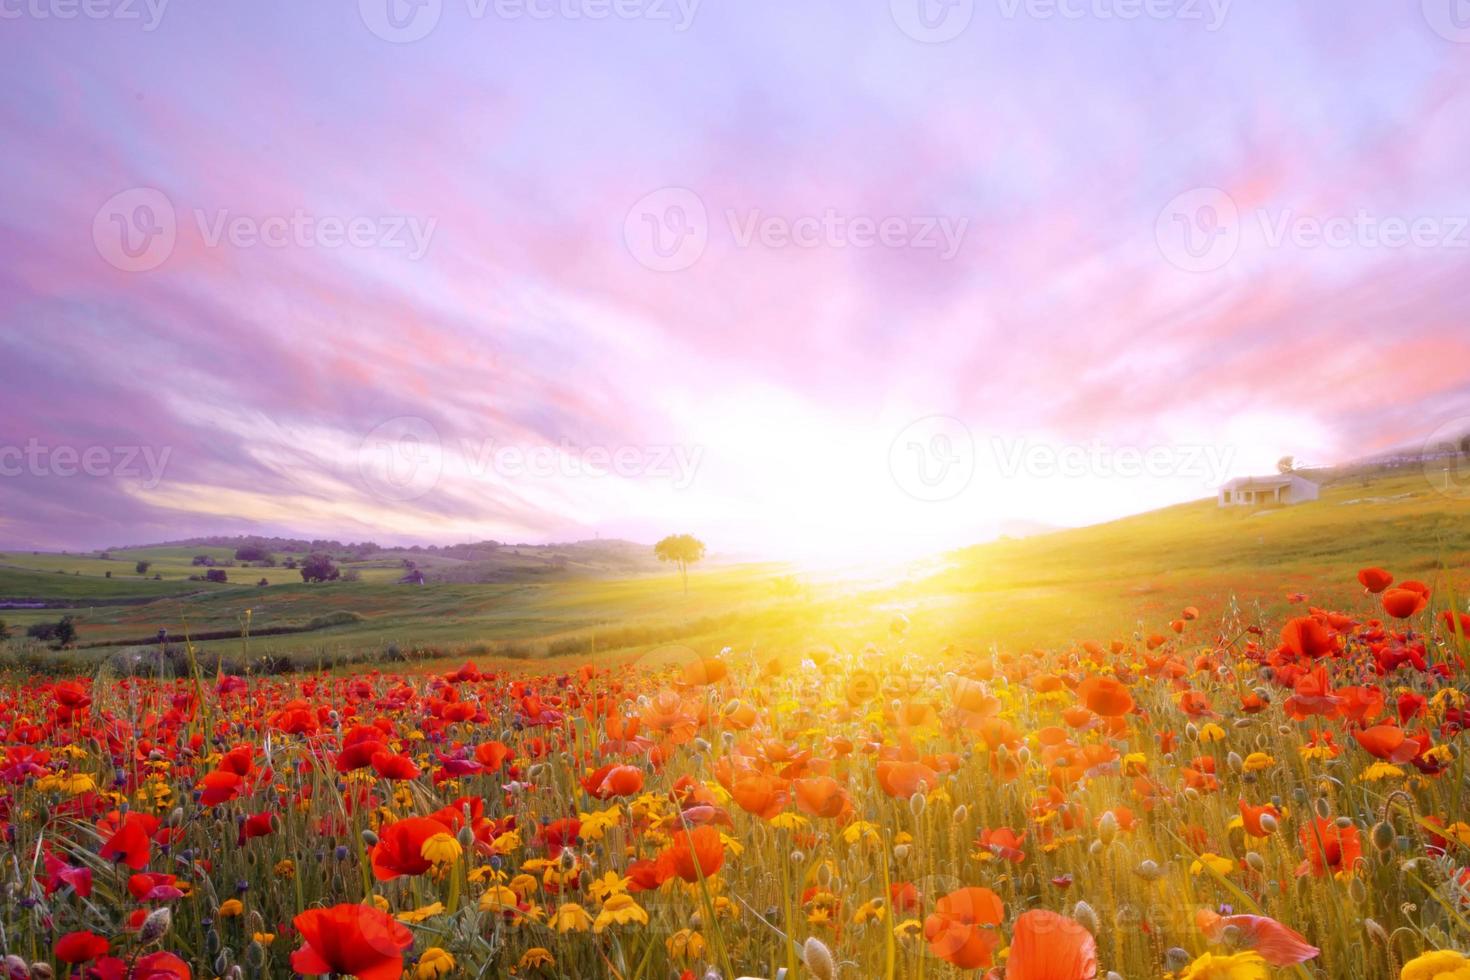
[[154, 966], [1277, 944], [1402, 603], [79, 947], [1330, 848], [351, 939], [1375, 580], [133, 841], [1305, 636], [399, 850]]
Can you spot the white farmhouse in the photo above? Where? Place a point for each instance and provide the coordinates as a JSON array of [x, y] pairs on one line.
[[1259, 491]]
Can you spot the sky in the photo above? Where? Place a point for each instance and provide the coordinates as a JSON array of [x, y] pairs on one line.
[[837, 277]]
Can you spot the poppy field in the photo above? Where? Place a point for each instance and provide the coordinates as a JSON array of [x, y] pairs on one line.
[[1211, 797]]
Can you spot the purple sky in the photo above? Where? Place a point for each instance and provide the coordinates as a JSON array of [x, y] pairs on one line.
[[784, 275]]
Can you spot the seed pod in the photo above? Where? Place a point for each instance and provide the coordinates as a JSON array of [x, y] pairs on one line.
[[156, 926], [818, 959]]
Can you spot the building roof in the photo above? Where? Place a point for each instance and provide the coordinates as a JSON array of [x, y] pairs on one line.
[[1259, 482]]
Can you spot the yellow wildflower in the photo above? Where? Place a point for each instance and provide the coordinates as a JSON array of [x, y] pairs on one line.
[[571, 917], [608, 885], [1240, 966], [1439, 964], [619, 910], [1216, 863], [598, 822], [415, 916], [536, 956], [441, 848], [685, 945], [433, 964]]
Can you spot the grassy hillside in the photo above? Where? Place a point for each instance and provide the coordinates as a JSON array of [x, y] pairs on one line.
[[1099, 582]]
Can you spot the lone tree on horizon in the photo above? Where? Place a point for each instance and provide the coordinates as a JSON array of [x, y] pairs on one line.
[[683, 550]]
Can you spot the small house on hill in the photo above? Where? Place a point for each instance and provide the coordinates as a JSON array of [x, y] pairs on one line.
[[1260, 491]]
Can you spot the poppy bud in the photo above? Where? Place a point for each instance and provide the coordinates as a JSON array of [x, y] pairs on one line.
[[1177, 958], [797, 857], [1107, 828], [1383, 835], [701, 745], [1086, 916], [369, 838], [917, 802], [1235, 762], [961, 813], [900, 851], [176, 817], [466, 837], [1323, 808], [1375, 931], [1268, 823], [41, 971], [1256, 862], [1357, 890]]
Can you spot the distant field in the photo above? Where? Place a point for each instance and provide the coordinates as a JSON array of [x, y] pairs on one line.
[[1101, 582]]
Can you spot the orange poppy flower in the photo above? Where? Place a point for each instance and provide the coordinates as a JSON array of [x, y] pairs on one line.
[[693, 854], [1105, 696], [962, 928], [1048, 946], [821, 796], [903, 779]]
